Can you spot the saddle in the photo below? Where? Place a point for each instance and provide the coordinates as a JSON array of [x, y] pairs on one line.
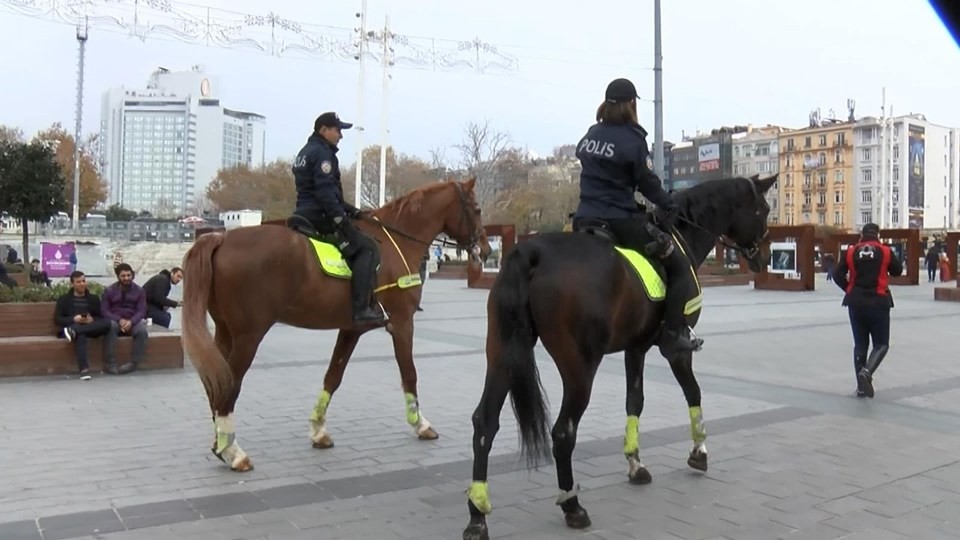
[[303, 226]]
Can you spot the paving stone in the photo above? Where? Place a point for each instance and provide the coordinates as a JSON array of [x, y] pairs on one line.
[[792, 454]]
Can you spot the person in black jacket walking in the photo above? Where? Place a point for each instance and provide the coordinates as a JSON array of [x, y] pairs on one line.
[[868, 301], [77, 315], [157, 290]]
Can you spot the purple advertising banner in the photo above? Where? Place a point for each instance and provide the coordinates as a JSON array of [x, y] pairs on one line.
[[55, 259]]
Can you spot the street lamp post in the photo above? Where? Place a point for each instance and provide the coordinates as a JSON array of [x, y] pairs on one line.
[[657, 93], [82, 42]]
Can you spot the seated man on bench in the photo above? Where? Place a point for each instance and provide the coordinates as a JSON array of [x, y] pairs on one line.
[[78, 317], [125, 305]]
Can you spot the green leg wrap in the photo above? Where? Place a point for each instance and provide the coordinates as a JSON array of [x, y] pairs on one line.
[[479, 495], [631, 440], [413, 408], [319, 413], [697, 431]]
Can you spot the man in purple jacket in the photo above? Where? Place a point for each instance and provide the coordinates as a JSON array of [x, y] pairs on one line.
[[125, 305]]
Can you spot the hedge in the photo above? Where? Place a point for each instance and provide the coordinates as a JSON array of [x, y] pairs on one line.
[[38, 293]]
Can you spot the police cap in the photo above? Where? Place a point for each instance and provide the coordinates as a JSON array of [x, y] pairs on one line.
[[620, 90], [330, 119]]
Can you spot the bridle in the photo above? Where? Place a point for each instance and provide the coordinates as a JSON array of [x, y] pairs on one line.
[[751, 250], [466, 218]]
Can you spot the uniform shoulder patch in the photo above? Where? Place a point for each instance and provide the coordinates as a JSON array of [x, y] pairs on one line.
[[326, 167], [649, 163]]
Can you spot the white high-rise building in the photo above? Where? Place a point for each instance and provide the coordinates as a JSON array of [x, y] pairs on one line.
[[162, 145], [757, 151], [907, 173]]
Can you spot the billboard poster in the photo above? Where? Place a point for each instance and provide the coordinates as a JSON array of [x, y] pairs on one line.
[[916, 168], [55, 259], [709, 157]]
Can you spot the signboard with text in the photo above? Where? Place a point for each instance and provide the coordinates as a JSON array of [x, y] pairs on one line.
[[709, 157]]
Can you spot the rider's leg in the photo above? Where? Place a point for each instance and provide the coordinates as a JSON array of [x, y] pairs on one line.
[[634, 234], [675, 336], [361, 254]]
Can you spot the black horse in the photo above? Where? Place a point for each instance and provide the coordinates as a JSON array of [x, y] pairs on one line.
[[582, 299]]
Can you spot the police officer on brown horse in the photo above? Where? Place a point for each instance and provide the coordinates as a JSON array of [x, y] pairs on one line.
[[616, 163], [320, 201]]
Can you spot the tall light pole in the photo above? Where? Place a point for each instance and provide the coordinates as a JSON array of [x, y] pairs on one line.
[[82, 42], [387, 62], [657, 93], [361, 53]]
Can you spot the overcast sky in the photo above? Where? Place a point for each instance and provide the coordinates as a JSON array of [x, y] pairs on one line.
[[725, 62]]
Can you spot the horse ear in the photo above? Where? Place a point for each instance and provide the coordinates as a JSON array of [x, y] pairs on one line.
[[767, 183], [468, 185], [755, 178]]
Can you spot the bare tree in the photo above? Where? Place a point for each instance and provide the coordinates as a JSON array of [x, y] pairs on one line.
[[481, 151]]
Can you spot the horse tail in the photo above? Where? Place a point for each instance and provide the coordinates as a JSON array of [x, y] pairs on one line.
[[517, 333], [212, 367]]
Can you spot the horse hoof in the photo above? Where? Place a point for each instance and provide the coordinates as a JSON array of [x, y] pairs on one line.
[[476, 531], [244, 465], [428, 434], [697, 460], [641, 477], [324, 443], [578, 519]]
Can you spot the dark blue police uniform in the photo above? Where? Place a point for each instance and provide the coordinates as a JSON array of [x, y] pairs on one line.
[[316, 171], [868, 300], [616, 163]]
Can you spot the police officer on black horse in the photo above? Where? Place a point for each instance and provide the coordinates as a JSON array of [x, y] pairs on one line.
[[616, 163], [868, 301], [320, 201]]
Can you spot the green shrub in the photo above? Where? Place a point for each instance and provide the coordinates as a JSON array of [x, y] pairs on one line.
[[18, 268], [37, 293]]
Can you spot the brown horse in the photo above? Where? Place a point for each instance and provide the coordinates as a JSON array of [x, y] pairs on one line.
[[582, 300], [220, 268]]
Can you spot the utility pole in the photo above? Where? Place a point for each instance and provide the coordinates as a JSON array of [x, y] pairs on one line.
[[657, 93], [361, 53], [387, 61], [82, 42], [882, 192]]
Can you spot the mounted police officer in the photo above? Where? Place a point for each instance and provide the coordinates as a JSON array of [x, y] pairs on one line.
[[868, 301], [320, 201], [616, 162]]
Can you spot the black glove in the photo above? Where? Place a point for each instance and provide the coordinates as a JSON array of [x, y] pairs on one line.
[[351, 210]]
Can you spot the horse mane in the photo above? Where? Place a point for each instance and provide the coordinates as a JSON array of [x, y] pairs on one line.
[[706, 201], [409, 203]]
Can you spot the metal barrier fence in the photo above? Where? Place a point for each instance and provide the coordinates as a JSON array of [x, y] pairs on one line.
[[127, 231]]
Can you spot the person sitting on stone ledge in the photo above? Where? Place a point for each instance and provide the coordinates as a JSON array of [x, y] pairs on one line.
[[38, 275], [157, 289], [78, 317], [125, 304]]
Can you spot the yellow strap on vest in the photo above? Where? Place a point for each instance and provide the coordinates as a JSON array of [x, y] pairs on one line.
[[405, 282]]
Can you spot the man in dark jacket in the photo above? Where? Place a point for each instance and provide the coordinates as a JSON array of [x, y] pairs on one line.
[[320, 200], [868, 301], [125, 305], [157, 289], [78, 317]]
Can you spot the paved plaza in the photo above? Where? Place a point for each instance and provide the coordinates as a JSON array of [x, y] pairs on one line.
[[793, 454]]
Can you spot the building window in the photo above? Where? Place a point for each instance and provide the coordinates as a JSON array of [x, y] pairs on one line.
[[838, 156], [821, 218], [823, 179], [822, 158], [807, 199], [823, 140], [896, 151], [806, 144], [807, 180], [822, 199], [838, 177], [866, 196], [837, 218], [866, 175], [895, 216], [866, 217], [838, 196], [896, 173], [865, 154], [896, 195]]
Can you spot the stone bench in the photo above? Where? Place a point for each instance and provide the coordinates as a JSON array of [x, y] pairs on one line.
[[29, 346]]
